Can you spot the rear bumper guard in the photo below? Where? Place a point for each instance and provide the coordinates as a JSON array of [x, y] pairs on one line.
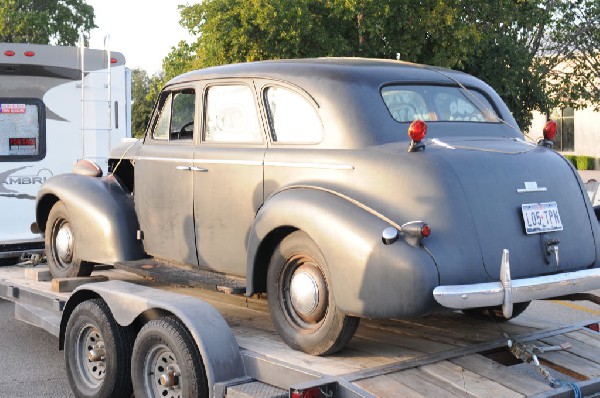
[[507, 291]]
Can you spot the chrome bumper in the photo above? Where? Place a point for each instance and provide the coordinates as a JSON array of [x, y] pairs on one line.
[[507, 291]]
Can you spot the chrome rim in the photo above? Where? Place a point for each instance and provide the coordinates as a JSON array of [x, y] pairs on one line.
[[63, 240], [162, 373], [304, 295], [90, 354]]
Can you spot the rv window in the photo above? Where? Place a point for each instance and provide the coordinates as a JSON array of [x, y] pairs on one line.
[[22, 129]]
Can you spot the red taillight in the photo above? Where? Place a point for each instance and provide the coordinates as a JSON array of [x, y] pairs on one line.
[[113, 60], [594, 326], [425, 230], [417, 130], [313, 392], [9, 53], [29, 53], [550, 130]]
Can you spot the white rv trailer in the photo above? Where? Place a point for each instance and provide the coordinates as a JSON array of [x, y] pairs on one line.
[[57, 105]]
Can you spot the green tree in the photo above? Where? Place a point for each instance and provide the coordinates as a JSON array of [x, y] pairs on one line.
[[45, 21], [499, 42], [144, 92]]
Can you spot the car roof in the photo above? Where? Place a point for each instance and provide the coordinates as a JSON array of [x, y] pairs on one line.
[[299, 70]]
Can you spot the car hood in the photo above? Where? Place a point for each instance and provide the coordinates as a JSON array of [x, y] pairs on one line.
[[472, 190]]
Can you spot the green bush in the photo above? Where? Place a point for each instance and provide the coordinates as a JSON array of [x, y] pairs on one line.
[[584, 163], [571, 158]]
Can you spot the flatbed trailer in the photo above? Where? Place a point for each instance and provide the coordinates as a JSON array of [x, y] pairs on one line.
[[443, 355]]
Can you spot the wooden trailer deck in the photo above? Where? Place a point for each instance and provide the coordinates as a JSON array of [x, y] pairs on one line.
[[445, 355]]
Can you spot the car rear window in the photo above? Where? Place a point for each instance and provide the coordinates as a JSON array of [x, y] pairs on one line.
[[22, 129], [437, 103]]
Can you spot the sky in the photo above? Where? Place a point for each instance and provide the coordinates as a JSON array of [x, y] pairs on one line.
[[143, 30]]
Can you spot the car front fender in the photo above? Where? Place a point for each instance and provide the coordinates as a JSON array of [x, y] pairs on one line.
[[368, 277], [102, 215]]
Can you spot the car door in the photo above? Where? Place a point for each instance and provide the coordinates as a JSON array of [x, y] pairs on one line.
[[164, 179], [228, 176]]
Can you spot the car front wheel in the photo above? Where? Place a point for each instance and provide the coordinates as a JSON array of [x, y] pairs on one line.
[[495, 313], [61, 248], [301, 302]]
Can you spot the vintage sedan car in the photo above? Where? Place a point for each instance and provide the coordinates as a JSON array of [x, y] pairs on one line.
[[299, 176]]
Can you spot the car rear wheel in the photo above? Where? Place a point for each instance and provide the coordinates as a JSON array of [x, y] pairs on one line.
[[495, 313], [301, 302], [61, 248]]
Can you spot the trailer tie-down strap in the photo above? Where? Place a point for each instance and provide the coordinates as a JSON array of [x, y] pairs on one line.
[[528, 353]]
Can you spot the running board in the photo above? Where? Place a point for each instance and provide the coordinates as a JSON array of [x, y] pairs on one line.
[[163, 272]]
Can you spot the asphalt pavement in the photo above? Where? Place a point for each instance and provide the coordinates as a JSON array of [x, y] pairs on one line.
[[30, 363]]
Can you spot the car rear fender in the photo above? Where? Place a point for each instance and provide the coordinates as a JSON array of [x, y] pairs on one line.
[[101, 212], [368, 277]]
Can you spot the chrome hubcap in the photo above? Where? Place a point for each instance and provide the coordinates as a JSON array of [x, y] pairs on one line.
[[162, 373], [304, 293], [64, 242]]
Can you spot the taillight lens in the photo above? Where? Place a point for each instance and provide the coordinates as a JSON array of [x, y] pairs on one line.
[[313, 392], [9, 53], [550, 130], [417, 130], [29, 53], [425, 230]]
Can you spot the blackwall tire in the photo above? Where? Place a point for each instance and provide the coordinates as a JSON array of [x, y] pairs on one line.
[[166, 362], [495, 313], [61, 247], [97, 352], [301, 303]]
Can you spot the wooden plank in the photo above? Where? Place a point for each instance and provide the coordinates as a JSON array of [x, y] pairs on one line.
[[63, 285], [586, 336], [427, 385], [468, 382], [383, 386], [37, 274], [504, 375], [577, 347], [570, 364]]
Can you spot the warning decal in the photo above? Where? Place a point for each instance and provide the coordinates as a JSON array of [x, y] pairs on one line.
[[12, 108]]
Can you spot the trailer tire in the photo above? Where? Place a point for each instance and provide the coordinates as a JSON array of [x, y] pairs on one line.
[[166, 362], [495, 313], [61, 248], [301, 303], [92, 331]]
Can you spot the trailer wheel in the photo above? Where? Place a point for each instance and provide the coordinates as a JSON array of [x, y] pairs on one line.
[[301, 303], [495, 313], [61, 248], [166, 362], [97, 352]]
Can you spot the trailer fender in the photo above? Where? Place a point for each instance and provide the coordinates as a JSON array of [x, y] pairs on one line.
[[102, 214], [362, 269], [128, 302]]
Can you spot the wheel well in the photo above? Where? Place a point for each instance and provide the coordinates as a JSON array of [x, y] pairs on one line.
[[263, 256], [123, 171], [43, 209]]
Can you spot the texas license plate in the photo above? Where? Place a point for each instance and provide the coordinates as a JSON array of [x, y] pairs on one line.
[[541, 217]]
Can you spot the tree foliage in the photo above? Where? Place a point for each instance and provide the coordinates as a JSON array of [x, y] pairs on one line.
[[45, 21], [144, 92], [500, 42]]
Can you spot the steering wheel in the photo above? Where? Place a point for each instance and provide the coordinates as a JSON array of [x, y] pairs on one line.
[[183, 132]]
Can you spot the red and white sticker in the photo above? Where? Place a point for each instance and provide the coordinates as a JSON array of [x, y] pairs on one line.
[[12, 108]]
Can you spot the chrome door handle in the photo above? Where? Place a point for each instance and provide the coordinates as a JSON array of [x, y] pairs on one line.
[[188, 168], [194, 168]]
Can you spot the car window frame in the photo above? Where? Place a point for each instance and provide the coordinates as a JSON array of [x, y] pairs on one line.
[[207, 85], [170, 91], [438, 84], [269, 122]]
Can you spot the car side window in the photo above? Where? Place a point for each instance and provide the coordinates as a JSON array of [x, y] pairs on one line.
[[176, 118], [293, 119], [231, 115]]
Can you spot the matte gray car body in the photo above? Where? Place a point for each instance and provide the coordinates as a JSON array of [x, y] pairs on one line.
[[225, 206]]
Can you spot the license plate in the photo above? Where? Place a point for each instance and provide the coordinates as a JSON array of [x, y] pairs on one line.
[[541, 217]]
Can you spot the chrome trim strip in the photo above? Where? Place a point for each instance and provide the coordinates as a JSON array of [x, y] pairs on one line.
[[491, 294], [531, 186], [311, 165], [164, 159], [230, 161]]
